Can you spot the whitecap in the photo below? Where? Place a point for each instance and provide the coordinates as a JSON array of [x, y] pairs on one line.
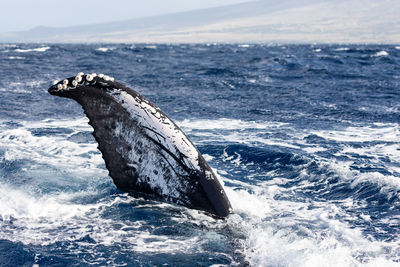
[[313, 149], [208, 157], [342, 49], [51, 150], [397, 47], [39, 49], [244, 45], [106, 49], [228, 84], [16, 90], [387, 132], [235, 131], [226, 124], [381, 54], [16, 57], [60, 217], [282, 232]]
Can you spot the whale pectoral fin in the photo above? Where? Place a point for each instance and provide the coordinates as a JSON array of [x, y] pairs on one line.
[[106, 120], [144, 151]]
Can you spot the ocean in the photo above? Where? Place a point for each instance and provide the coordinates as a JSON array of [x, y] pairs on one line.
[[305, 139]]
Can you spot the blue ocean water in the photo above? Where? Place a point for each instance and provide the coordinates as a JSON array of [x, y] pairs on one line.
[[305, 138]]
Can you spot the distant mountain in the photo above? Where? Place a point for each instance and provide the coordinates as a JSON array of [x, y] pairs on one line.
[[298, 21]]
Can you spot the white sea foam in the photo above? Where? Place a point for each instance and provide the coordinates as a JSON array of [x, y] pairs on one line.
[[227, 124], [275, 228], [397, 47], [252, 133], [79, 124], [55, 218], [244, 45], [387, 132], [381, 54], [56, 151], [237, 131], [46, 218], [375, 151], [263, 79], [15, 90], [286, 233], [314, 149], [379, 142], [342, 49], [39, 49], [16, 57], [106, 49]]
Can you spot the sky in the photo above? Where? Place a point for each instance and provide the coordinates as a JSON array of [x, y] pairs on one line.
[[20, 15]]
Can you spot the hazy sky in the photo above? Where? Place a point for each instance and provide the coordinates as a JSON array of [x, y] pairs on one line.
[[17, 15]]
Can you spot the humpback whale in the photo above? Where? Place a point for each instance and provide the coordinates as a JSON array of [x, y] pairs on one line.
[[145, 152]]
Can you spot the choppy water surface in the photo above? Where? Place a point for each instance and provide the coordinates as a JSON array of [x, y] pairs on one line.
[[306, 140]]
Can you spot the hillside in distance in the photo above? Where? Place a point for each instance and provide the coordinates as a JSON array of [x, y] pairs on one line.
[[285, 21]]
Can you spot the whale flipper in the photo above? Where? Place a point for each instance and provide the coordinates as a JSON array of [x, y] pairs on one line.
[[144, 151]]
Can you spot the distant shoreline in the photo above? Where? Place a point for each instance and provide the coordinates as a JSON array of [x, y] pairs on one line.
[[285, 22]]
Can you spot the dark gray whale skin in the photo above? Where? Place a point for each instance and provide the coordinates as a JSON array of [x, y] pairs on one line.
[[144, 151]]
